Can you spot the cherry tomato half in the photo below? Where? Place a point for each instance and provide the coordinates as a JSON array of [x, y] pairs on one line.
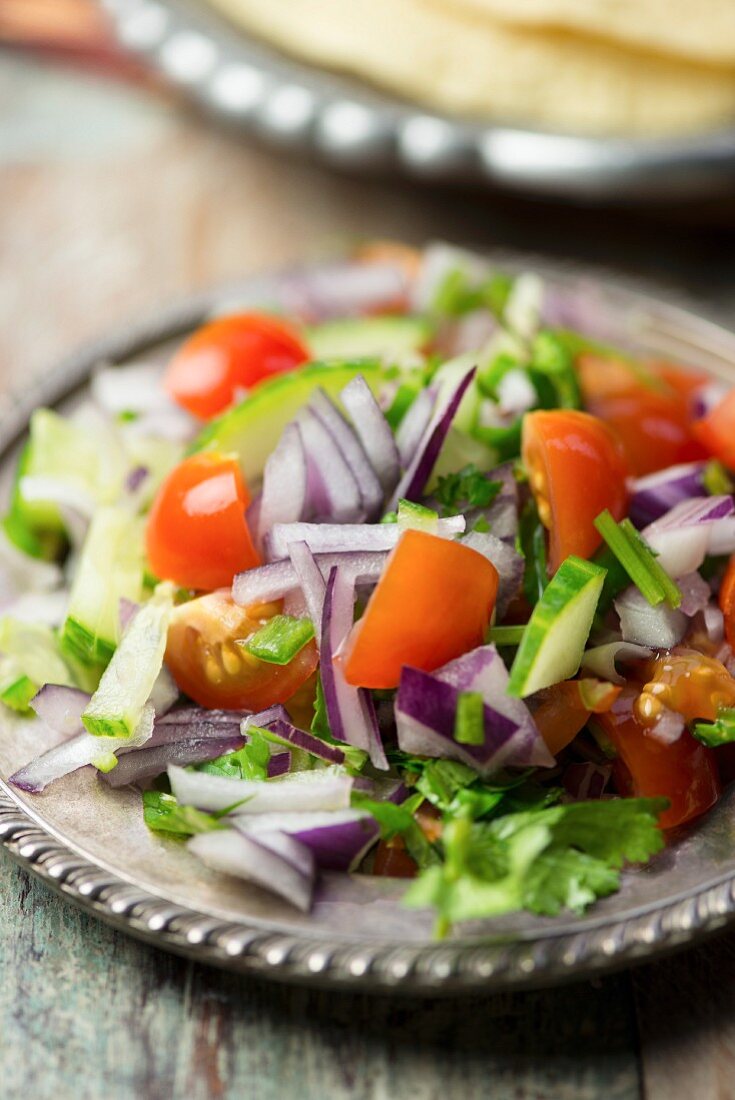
[[684, 771], [577, 469], [716, 430], [649, 411], [197, 534], [727, 601], [230, 356], [211, 668]]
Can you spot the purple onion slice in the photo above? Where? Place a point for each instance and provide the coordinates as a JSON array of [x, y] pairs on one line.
[[368, 484], [276, 579], [373, 431], [339, 840], [274, 861]]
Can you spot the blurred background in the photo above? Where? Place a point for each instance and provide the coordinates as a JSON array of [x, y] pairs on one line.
[[151, 147]]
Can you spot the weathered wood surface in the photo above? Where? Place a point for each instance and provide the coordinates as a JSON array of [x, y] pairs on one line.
[[112, 203]]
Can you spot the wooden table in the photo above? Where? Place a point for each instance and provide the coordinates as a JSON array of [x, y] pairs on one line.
[[112, 203]]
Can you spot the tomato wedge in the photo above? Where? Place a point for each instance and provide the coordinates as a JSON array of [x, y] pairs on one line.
[[647, 405], [684, 771], [197, 534], [212, 669], [577, 469], [727, 601], [565, 708], [228, 357], [432, 603], [716, 430]]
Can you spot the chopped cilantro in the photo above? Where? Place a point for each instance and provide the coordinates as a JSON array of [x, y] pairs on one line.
[[467, 488], [249, 762], [163, 814], [719, 732], [545, 860]]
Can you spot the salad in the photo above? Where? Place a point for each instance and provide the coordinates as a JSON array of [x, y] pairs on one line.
[[418, 571]]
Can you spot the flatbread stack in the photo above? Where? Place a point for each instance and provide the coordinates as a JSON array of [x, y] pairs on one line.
[[629, 67]]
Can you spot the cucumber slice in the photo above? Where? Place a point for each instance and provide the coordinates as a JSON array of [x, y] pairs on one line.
[[252, 429], [117, 705], [554, 640], [77, 454], [30, 659], [110, 568], [383, 337]]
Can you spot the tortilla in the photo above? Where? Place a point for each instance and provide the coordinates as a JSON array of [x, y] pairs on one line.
[[469, 64], [702, 31]]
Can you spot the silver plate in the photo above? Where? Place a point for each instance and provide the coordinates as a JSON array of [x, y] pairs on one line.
[[347, 123], [90, 843]]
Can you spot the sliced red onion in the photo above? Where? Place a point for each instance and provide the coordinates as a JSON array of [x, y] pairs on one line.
[[274, 861], [585, 781], [338, 290], [273, 581], [277, 721], [147, 763], [707, 397], [414, 424], [339, 840], [682, 537], [136, 478], [416, 477], [61, 708], [310, 579], [369, 487], [283, 499], [656, 494], [602, 659], [426, 707], [722, 537], [373, 431], [658, 627], [322, 789], [508, 562], [695, 593], [77, 753], [331, 486], [325, 538], [350, 710]]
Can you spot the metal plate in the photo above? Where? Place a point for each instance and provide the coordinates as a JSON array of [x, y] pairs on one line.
[[90, 842], [349, 124]]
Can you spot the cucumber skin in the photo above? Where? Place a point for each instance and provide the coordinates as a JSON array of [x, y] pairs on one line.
[[18, 695], [587, 580], [83, 646], [107, 727], [369, 336], [274, 403]]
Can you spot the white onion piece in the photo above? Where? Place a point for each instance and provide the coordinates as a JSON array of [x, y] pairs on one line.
[[602, 659], [311, 581], [324, 538], [660, 627], [683, 536], [522, 312], [515, 393], [272, 860], [373, 431], [164, 693], [274, 580], [508, 562], [284, 483], [722, 537], [137, 388], [414, 424], [48, 608], [714, 623], [667, 728], [325, 789], [695, 593]]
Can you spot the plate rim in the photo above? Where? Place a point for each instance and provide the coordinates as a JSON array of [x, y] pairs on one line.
[[393, 133], [451, 967]]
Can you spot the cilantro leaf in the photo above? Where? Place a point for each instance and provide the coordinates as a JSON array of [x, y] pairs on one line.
[[466, 488], [543, 860], [163, 814], [249, 762]]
